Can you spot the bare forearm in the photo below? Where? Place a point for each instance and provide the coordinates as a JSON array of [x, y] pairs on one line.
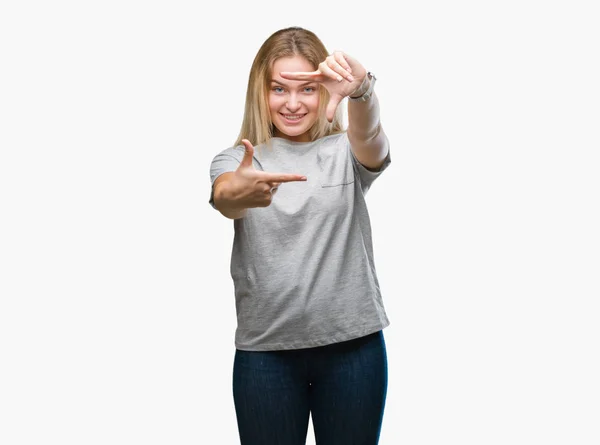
[[226, 203], [234, 214], [363, 117]]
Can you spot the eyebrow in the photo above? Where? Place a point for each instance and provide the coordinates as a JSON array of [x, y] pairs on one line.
[[302, 84]]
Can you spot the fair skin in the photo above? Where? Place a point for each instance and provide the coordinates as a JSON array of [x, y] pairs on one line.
[[339, 73], [342, 76], [293, 104], [293, 93]]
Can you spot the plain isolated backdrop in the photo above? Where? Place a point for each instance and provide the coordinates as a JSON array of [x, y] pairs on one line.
[[117, 313]]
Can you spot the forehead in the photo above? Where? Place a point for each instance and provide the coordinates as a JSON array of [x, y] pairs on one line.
[[295, 63]]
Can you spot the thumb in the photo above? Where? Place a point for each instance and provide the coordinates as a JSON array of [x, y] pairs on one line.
[[334, 101], [247, 159]]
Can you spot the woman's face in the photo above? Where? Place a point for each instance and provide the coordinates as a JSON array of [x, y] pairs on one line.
[[294, 104]]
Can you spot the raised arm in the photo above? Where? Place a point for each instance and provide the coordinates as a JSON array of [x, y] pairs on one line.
[[343, 76], [366, 136]]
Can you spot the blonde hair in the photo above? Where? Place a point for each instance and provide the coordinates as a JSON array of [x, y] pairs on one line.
[[257, 125]]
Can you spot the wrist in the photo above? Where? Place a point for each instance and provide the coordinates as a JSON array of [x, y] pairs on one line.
[[365, 91], [362, 89], [227, 197]]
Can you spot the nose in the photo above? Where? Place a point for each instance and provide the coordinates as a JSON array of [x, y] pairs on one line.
[[293, 104]]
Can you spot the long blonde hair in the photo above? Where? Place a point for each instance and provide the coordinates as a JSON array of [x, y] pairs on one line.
[[257, 125]]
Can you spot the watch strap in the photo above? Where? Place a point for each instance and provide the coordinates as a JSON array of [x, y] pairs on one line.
[[367, 94]]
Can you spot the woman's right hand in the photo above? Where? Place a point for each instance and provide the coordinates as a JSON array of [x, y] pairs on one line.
[[254, 188]]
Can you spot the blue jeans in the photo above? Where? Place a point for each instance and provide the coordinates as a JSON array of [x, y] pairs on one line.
[[342, 385]]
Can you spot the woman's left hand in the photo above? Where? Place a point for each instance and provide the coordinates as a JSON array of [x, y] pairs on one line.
[[339, 73]]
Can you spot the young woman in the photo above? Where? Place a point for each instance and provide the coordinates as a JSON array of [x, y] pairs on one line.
[[310, 314]]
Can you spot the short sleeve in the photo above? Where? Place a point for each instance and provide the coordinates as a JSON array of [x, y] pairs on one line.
[[221, 163], [367, 176]]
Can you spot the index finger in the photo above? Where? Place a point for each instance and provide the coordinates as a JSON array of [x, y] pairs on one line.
[[280, 177], [300, 75]]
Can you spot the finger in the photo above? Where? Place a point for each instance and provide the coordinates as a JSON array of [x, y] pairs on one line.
[[300, 75], [334, 101], [274, 185], [248, 154], [281, 178], [340, 57], [327, 71], [334, 64]]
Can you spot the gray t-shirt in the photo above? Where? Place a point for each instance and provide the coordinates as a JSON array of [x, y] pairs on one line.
[[303, 267]]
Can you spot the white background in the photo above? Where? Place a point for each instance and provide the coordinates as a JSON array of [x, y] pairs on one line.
[[117, 313]]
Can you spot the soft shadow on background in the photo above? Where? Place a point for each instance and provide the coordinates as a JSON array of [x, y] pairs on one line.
[[117, 312]]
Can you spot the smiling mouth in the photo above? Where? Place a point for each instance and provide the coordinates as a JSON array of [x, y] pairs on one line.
[[293, 117]]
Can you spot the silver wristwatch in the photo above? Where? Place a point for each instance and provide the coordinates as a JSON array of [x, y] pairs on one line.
[[369, 91]]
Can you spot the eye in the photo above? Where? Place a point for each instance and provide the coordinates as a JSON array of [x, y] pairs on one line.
[[277, 88], [310, 88]]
